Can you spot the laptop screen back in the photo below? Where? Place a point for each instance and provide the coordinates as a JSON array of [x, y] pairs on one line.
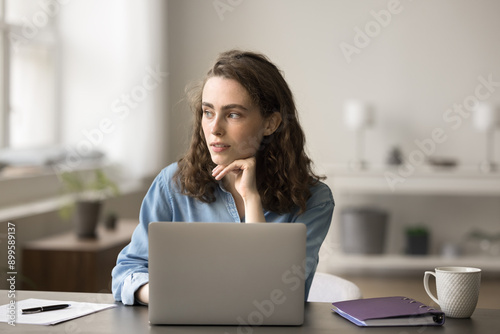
[[227, 273]]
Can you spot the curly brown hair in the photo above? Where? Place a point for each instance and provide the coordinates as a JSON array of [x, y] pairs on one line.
[[284, 171]]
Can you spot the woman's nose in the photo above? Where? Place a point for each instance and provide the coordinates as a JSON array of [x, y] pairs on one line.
[[217, 127]]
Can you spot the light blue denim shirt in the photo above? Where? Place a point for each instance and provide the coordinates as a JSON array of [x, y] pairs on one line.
[[164, 202]]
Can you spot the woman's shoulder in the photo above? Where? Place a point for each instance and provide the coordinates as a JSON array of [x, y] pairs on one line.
[[166, 175], [170, 170], [321, 194]]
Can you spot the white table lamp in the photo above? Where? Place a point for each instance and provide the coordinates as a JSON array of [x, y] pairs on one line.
[[486, 119], [358, 115]]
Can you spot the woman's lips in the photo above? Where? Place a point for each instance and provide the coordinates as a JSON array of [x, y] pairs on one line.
[[219, 147]]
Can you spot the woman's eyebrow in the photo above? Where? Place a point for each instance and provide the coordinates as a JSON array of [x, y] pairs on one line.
[[226, 107], [234, 106]]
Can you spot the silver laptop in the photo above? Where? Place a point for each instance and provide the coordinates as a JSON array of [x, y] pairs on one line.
[[226, 273]]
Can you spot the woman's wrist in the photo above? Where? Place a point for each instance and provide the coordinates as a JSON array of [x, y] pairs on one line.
[[254, 212], [142, 294]]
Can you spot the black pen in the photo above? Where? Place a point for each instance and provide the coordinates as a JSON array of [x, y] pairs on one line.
[[44, 308]]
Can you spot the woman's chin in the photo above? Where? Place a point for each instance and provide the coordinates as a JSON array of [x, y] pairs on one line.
[[221, 161]]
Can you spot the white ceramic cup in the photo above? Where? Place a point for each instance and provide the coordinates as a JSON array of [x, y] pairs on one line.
[[457, 290]]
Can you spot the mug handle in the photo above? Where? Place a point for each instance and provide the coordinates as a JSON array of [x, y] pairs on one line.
[[426, 285]]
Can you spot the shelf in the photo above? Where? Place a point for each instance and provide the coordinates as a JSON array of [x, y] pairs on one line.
[[69, 241], [423, 181], [403, 264], [54, 203]]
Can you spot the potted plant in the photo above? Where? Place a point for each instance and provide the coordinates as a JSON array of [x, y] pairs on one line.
[[88, 191], [417, 240]]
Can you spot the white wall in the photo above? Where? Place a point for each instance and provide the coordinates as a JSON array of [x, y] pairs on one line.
[[421, 62], [426, 59]]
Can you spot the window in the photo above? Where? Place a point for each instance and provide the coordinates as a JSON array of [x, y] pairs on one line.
[[28, 114]]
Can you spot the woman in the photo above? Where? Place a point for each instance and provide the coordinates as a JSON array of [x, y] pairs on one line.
[[246, 163]]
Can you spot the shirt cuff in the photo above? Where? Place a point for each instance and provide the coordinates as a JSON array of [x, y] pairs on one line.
[[131, 284]]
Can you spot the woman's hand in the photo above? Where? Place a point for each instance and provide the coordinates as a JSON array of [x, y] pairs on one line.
[[243, 173]]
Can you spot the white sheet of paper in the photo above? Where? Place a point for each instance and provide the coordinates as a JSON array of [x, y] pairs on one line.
[[75, 310]]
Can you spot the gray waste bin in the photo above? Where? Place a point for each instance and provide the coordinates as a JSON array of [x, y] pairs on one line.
[[363, 230]]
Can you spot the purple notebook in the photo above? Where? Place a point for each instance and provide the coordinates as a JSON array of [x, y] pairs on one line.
[[388, 311]]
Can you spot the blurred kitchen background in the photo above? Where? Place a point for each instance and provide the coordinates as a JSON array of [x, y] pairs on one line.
[[399, 101]]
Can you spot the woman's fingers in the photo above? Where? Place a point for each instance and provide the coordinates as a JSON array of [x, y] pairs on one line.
[[236, 166], [222, 170]]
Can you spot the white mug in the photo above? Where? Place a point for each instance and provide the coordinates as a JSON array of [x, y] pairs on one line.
[[457, 290]]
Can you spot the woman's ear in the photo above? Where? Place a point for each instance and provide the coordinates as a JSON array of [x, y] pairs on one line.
[[272, 123]]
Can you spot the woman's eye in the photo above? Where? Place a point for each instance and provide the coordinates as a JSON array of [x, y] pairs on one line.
[[207, 113]]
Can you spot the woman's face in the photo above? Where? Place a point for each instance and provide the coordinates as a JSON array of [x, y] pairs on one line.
[[232, 124]]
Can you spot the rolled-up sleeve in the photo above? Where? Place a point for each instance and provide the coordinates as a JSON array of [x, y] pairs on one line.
[[131, 270]]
